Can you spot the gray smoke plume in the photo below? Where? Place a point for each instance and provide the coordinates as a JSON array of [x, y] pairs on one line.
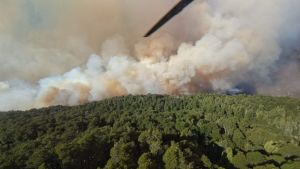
[[72, 52]]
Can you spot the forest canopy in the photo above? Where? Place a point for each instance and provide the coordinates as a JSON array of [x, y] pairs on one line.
[[155, 131]]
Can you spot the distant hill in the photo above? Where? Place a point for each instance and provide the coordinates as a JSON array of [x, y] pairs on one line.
[[155, 132]]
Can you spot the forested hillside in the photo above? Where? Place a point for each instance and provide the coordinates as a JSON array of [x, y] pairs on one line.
[[155, 132]]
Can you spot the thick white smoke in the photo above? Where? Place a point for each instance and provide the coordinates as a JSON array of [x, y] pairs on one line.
[[212, 46]]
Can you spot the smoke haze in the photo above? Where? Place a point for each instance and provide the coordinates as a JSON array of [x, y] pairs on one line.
[[72, 52]]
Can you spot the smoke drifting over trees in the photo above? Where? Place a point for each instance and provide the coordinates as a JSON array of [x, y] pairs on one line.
[[73, 52]]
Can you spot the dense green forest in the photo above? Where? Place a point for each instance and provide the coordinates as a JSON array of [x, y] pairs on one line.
[[155, 132]]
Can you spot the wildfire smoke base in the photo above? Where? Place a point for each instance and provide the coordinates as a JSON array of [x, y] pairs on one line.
[[212, 46]]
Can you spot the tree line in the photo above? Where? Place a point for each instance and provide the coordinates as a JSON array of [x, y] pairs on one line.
[[155, 131]]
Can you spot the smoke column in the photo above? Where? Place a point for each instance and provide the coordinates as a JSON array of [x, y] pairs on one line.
[[73, 52]]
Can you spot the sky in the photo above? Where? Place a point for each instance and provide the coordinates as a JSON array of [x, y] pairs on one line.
[[70, 52]]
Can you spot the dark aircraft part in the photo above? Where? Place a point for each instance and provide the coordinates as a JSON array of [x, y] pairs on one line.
[[176, 10]]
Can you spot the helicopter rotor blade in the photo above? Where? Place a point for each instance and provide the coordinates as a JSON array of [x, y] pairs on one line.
[[174, 11]]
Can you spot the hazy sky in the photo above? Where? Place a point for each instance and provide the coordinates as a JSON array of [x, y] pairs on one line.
[[71, 52]]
